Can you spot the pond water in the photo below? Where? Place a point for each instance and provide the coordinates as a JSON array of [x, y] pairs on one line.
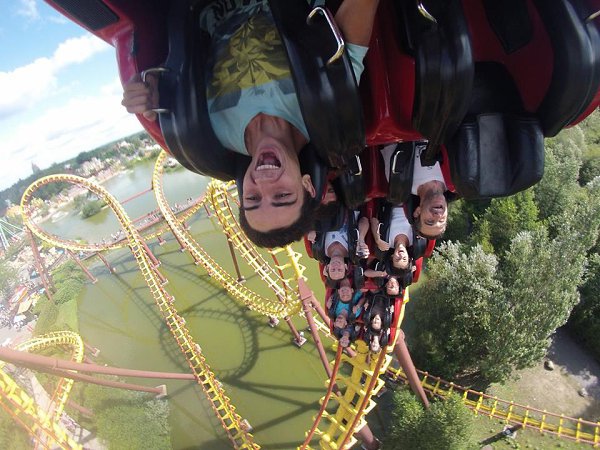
[[272, 383]]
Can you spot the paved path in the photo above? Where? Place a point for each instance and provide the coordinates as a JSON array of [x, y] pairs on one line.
[[576, 362]]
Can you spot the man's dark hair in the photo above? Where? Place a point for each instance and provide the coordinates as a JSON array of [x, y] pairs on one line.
[[280, 237]]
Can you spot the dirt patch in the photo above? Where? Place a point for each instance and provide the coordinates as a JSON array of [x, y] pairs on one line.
[[558, 390]]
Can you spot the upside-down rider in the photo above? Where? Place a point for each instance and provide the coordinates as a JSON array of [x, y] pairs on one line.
[[254, 109]]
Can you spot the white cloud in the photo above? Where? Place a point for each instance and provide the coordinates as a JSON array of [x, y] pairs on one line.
[[28, 9], [63, 132], [21, 88]]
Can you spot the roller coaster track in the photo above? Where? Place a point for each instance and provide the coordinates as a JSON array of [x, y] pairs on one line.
[[358, 387], [17, 402], [213, 389], [560, 425], [355, 402], [354, 379], [287, 302]]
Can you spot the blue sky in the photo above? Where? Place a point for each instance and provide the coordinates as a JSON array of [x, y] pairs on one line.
[[59, 90]]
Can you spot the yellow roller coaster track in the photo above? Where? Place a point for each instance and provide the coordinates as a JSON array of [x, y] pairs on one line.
[[560, 425], [43, 424], [356, 379], [231, 421], [355, 401], [286, 302]]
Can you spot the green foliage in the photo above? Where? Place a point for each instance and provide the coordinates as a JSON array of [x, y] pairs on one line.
[[446, 425], [591, 128], [559, 186], [127, 419], [79, 201], [590, 169], [66, 318], [92, 208], [503, 219], [482, 315], [47, 319], [69, 271], [8, 279], [455, 311], [12, 435]]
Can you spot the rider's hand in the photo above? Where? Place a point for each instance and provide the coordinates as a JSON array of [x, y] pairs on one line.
[[140, 97]]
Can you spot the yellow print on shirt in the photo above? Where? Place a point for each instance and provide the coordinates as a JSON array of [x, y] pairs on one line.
[[253, 56]]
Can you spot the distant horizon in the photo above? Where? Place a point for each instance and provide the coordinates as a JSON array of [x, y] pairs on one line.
[[43, 169]]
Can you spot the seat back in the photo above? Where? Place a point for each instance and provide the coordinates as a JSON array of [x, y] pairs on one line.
[[444, 68], [327, 93], [186, 127], [576, 71], [499, 148]]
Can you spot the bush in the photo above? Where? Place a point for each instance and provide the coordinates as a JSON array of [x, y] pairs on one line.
[[91, 208], [446, 425], [127, 419]]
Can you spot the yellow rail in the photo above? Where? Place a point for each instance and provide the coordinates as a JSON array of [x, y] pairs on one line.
[[281, 307], [560, 425], [356, 390], [232, 423], [44, 425]]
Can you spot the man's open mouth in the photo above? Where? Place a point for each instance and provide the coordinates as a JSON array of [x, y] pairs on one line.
[[267, 161]]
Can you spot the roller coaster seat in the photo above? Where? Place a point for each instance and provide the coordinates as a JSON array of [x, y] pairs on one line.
[[327, 93], [419, 72], [437, 36], [576, 73], [499, 148]]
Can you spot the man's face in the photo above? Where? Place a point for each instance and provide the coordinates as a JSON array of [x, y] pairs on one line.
[[432, 214], [345, 293], [336, 268], [345, 340], [274, 187], [400, 257]]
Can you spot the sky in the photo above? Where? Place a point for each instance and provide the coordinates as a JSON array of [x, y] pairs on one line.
[[60, 92]]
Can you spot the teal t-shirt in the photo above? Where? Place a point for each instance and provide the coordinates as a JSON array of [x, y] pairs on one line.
[[249, 71]]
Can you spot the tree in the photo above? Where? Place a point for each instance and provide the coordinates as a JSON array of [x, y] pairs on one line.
[[590, 169], [454, 311], [559, 186], [447, 424], [585, 319], [503, 219], [484, 316], [91, 208], [8, 279]]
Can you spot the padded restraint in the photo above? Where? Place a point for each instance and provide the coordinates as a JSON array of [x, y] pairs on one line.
[[186, 128], [350, 184], [401, 172], [444, 69], [328, 94], [499, 149], [576, 71]]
